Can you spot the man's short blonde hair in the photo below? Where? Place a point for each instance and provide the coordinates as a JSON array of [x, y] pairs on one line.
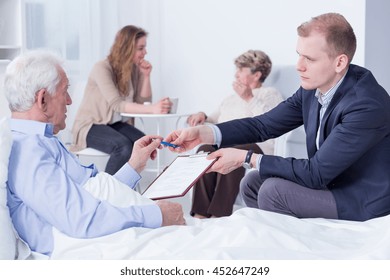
[[338, 33]]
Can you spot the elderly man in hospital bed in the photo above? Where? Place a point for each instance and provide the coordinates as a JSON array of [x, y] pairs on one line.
[[47, 186]]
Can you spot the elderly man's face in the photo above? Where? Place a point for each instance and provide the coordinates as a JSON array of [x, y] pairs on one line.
[[56, 112]]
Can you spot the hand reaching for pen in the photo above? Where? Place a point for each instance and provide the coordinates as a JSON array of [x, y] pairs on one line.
[[144, 148]]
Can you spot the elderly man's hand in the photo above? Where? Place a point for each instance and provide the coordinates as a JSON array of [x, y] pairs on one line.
[[172, 213], [144, 148]]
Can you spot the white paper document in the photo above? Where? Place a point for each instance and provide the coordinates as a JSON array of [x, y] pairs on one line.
[[178, 177]]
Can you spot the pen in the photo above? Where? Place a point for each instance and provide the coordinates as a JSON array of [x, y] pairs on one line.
[[169, 144]]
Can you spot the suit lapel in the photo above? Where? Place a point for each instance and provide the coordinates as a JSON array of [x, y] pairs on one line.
[[340, 93], [335, 100]]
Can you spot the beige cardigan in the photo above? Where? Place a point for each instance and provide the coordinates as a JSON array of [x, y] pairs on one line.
[[101, 99], [234, 107]]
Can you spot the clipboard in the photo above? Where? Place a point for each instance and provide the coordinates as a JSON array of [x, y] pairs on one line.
[[178, 177]]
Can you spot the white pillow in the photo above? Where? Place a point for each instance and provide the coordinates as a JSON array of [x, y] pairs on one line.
[[8, 238], [11, 246]]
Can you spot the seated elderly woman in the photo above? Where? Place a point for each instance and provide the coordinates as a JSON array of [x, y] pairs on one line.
[[215, 194]]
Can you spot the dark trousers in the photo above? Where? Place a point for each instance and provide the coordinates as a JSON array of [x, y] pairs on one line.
[[286, 197], [214, 194], [117, 140]]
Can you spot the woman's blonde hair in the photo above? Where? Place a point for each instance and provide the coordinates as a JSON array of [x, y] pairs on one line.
[[256, 61], [121, 55]]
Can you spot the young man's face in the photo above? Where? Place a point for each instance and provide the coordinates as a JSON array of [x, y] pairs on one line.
[[315, 67]]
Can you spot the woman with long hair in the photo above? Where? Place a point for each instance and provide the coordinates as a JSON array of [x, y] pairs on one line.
[[118, 84]]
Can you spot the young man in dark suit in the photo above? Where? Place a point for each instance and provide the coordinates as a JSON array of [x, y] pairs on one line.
[[346, 116]]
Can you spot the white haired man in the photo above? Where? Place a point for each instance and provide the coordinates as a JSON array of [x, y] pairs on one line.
[[45, 181]]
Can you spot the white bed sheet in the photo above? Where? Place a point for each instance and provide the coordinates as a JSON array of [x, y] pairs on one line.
[[247, 234]]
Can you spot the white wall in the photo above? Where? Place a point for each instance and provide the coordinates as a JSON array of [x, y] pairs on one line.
[[377, 46], [4, 110]]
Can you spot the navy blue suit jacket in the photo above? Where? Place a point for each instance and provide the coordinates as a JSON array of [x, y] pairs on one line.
[[353, 160]]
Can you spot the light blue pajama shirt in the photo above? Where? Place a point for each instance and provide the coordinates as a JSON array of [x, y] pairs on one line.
[[45, 190]]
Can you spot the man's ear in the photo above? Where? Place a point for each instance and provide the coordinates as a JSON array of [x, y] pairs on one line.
[[41, 99], [258, 75], [341, 63]]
